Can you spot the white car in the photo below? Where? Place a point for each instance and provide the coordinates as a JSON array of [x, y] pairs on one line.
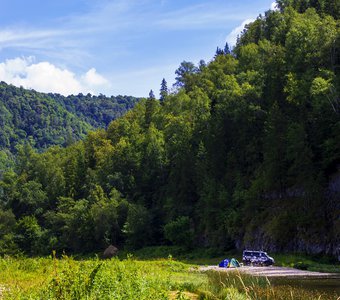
[[260, 258]]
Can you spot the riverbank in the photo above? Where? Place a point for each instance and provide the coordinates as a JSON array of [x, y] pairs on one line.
[[211, 256], [273, 272]]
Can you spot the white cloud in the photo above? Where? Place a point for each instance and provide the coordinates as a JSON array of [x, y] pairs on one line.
[[92, 78], [273, 6], [232, 36], [46, 77]]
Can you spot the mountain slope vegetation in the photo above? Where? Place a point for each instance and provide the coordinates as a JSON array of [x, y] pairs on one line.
[[245, 154], [51, 119]]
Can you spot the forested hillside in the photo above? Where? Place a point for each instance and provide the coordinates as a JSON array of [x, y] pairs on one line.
[[51, 119], [98, 111], [246, 153]]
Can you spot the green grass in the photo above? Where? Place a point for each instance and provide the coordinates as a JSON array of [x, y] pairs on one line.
[[150, 273], [66, 278], [130, 278]]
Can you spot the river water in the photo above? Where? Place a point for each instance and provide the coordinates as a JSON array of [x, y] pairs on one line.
[[329, 286]]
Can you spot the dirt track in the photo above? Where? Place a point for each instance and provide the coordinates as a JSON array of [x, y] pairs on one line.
[[273, 272]]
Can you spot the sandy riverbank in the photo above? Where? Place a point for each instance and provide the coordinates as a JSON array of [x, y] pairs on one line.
[[273, 271]]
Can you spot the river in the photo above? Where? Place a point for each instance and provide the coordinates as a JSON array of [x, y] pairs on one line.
[[329, 287]]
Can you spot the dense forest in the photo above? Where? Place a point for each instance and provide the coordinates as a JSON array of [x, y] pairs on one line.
[[51, 119], [245, 153]]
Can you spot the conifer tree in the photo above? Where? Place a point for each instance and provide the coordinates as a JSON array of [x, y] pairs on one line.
[[163, 91], [149, 108], [227, 49], [219, 51], [151, 95]]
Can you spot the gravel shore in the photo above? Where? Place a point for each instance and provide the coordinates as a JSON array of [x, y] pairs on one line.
[[272, 271]]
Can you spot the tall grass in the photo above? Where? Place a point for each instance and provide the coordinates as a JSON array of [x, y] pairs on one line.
[[68, 279]]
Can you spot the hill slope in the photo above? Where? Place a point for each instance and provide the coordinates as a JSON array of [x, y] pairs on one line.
[[51, 119]]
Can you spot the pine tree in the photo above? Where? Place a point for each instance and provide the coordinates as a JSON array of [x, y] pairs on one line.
[[219, 51], [227, 49], [152, 95], [149, 108], [163, 91]]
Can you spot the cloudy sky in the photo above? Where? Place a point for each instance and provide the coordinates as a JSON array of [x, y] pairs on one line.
[[113, 46]]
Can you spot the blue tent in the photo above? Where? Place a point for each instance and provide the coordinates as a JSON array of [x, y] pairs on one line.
[[232, 263], [224, 263]]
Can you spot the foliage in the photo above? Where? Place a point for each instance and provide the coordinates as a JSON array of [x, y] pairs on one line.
[[179, 232], [245, 153], [52, 119]]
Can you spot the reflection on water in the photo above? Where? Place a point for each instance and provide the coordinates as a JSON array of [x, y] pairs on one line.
[[326, 285]]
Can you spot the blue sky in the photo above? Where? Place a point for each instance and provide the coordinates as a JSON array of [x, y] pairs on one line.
[[115, 46]]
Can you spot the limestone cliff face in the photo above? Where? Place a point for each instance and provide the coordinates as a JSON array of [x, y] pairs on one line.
[[323, 238]]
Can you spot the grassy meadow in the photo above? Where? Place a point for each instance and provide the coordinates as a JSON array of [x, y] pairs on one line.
[[132, 278]]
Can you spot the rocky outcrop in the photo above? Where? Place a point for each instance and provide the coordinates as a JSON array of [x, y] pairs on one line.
[[110, 252]]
